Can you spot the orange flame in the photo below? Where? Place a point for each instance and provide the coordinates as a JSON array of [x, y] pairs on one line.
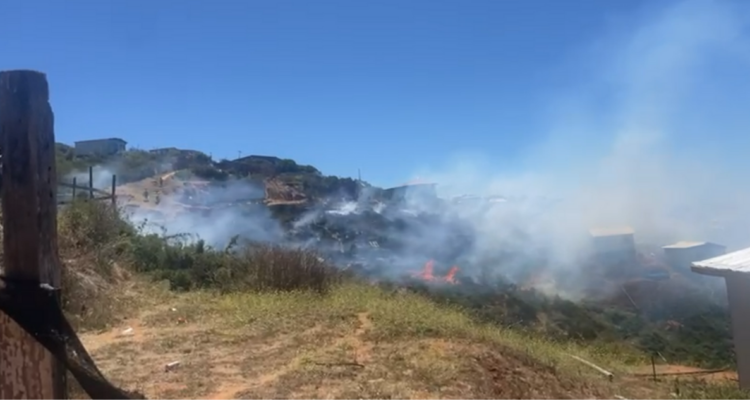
[[450, 277], [426, 274]]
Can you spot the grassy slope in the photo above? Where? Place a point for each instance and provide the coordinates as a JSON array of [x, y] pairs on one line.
[[356, 342]]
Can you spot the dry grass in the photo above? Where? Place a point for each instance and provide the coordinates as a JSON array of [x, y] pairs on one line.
[[355, 342], [280, 323]]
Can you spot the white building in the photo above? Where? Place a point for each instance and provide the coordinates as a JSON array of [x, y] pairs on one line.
[[101, 147], [735, 269], [681, 255], [616, 244]]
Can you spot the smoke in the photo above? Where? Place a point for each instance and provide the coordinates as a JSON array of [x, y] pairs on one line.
[[101, 178], [214, 213], [647, 133], [648, 138]]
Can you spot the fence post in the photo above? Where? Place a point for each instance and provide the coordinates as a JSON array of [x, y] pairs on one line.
[[91, 181], [29, 208], [113, 194]]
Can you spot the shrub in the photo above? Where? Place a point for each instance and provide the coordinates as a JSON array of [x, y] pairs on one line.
[[271, 267], [193, 264], [97, 244], [91, 225], [92, 236], [210, 172]]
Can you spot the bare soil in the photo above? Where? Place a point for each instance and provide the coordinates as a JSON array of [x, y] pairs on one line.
[[324, 356]]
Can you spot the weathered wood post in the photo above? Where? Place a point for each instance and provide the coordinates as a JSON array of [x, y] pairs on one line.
[[29, 206], [91, 181], [114, 196], [74, 190]]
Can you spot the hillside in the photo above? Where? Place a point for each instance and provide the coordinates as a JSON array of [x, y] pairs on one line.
[[356, 342], [262, 320], [283, 180]]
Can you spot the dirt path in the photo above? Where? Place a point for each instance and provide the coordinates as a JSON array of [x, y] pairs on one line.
[[686, 372], [362, 349], [213, 362]]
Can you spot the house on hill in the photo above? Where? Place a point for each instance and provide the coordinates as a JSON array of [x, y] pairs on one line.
[[411, 192], [100, 147], [613, 244], [735, 269], [164, 150], [681, 255]]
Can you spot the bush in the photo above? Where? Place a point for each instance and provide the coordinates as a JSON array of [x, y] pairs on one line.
[[209, 172], [97, 245], [193, 264], [270, 267], [92, 236], [92, 225], [101, 234]]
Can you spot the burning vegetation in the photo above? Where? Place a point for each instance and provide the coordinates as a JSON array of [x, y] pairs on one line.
[[485, 254], [426, 274]]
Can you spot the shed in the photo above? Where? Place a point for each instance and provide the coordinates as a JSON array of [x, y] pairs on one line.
[[164, 150], [613, 243], [681, 255], [100, 147], [735, 269], [411, 192]]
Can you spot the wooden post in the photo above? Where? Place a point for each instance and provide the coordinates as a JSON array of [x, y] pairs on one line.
[[74, 190], [114, 197], [29, 206], [91, 182]]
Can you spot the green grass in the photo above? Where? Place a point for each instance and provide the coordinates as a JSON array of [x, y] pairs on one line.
[[704, 390], [303, 338], [396, 316], [261, 308]]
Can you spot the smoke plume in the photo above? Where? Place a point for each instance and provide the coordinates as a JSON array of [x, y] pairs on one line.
[[649, 139]]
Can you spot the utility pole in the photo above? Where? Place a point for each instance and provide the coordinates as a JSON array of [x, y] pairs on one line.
[[29, 206]]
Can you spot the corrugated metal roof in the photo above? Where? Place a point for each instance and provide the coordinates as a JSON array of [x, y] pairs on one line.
[[623, 230], [688, 244], [738, 261], [684, 245], [411, 185], [101, 140]]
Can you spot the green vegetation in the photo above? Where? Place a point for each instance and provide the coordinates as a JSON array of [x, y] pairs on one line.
[[703, 338], [133, 165], [265, 291], [136, 165], [282, 291]]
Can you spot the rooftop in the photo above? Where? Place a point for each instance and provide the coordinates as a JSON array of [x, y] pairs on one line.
[[100, 140], [619, 231], [418, 184], [684, 245], [738, 261]]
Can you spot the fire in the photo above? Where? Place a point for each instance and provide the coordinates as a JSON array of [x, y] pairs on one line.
[[450, 277], [426, 274]]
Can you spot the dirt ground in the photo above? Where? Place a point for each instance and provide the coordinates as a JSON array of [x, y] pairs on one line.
[[215, 347]]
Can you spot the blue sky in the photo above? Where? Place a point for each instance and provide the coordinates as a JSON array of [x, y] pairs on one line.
[[395, 88]]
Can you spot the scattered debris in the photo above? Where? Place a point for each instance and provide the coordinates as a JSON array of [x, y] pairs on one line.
[[606, 373], [171, 366]]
